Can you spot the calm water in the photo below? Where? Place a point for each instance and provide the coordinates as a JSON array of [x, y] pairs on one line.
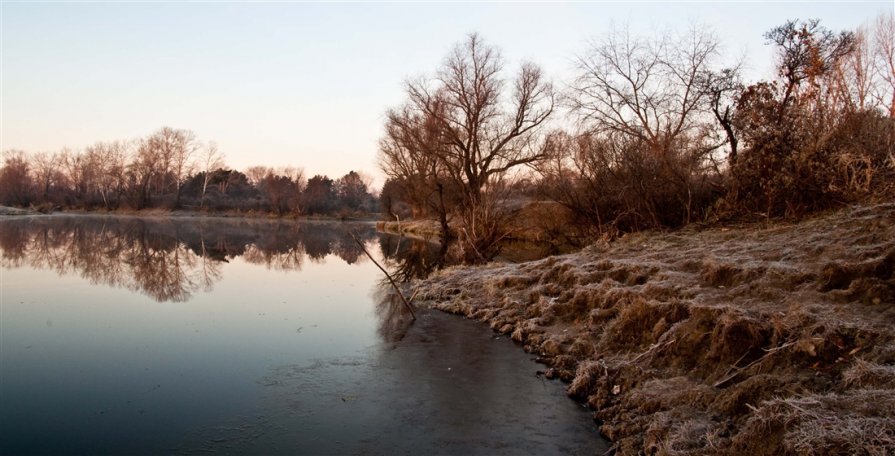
[[146, 336]]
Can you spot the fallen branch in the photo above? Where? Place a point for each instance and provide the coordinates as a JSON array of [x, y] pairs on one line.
[[736, 370], [388, 276]]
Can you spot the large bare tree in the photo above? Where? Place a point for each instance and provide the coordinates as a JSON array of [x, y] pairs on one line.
[[650, 89], [411, 154], [173, 149], [490, 123]]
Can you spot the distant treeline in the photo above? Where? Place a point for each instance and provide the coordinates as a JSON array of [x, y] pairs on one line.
[[652, 132], [171, 169], [170, 259]]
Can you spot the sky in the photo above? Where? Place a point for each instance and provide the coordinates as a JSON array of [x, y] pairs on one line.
[[306, 84]]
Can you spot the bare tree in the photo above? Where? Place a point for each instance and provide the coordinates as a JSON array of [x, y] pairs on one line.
[[466, 128], [296, 174], [47, 172], [648, 107], [723, 87], [112, 159], [256, 174], [490, 124], [854, 78], [410, 153], [15, 178], [652, 90], [81, 175], [884, 56], [145, 169], [173, 148], [211, 160]]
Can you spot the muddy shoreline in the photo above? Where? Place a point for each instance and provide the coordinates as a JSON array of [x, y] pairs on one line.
[[759, 339]]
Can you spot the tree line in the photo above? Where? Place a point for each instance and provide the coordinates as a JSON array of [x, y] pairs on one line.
[[172, 169], [652, 132], [170, 260]]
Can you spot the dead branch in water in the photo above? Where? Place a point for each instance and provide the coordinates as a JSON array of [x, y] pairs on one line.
[[388, 276]]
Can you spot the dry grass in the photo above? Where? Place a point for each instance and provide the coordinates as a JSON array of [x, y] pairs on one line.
[[854, 422], [703, 342]]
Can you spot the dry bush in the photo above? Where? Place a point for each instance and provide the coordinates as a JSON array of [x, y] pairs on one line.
[[484, 223], [615, 183], [801, 156]]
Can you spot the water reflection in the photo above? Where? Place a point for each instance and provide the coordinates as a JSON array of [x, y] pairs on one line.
[[266, 362], [409, 258], [170, 259], [392, 315]]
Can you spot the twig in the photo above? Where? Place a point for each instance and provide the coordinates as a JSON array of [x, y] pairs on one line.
[[786, 345], [737, 370], [387, 275], [652, 348]]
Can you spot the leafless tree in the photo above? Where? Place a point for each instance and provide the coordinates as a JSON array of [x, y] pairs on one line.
[[466, 128], [46, 167], [15, 178], [723, 87], [255, 174], [112, 159], [295, 174], [490, 124], [410, 153], [74, 170], [650, 108], [173, 148], [649, 89], [884, 56], [141, 171], [854, 76], [211, 160]]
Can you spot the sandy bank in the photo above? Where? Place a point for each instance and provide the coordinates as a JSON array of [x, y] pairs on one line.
[[768, 339]]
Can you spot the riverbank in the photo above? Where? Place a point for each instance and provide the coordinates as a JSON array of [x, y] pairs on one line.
[[6, 210], [421, 229], [535, 222], [756, 339]]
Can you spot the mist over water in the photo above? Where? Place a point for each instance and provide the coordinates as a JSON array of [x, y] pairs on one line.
[[126, 335]]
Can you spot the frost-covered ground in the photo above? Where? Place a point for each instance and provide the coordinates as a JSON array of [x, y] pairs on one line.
[[758, 339], [6, 210]]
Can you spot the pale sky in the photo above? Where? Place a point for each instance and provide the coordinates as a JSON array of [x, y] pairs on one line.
[[304, 84]]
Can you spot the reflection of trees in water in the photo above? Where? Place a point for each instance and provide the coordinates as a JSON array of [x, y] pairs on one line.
[[394, 317], [166, 259], [405, 259], [408, 258]]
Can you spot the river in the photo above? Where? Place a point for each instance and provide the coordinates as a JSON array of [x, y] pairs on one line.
[[128, 335]]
